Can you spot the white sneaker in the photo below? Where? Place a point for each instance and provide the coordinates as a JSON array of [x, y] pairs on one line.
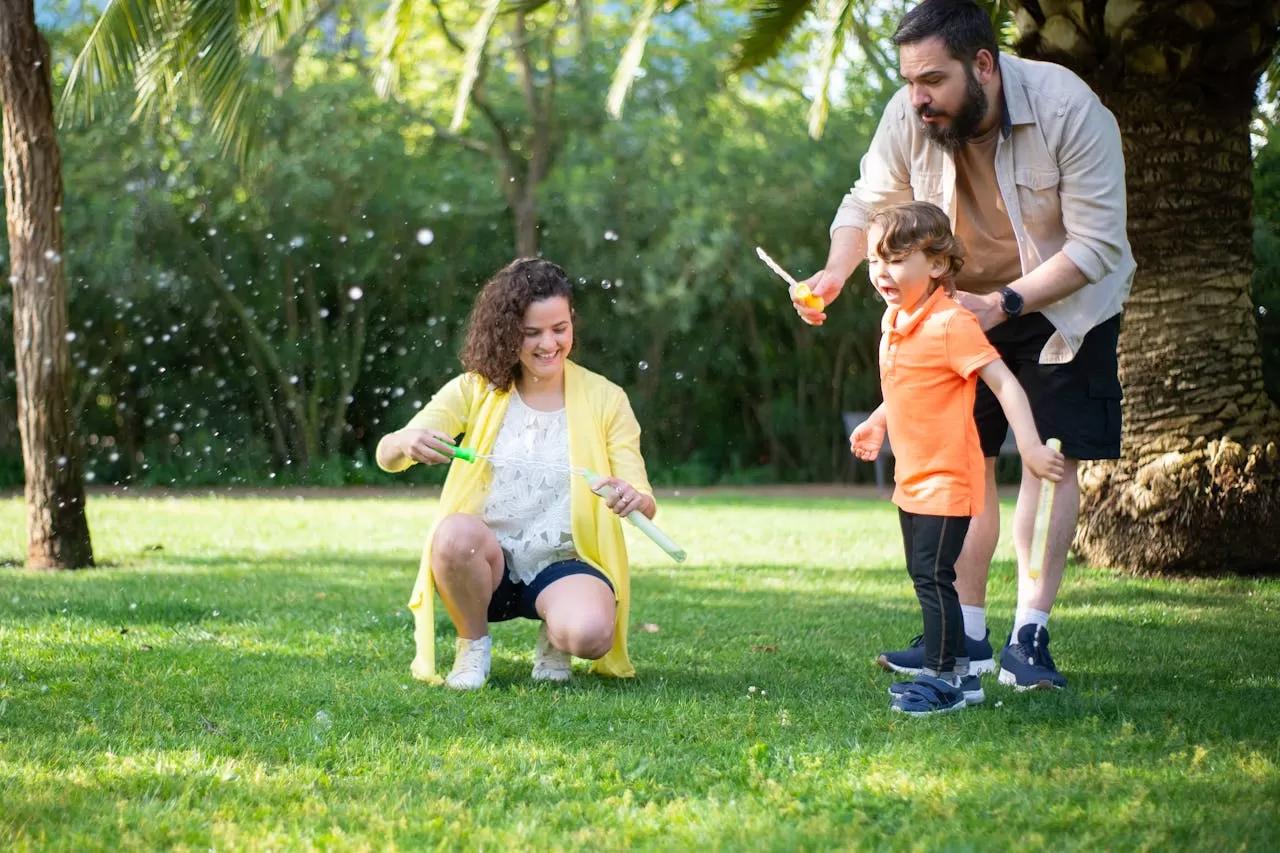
[[549, 663], [470, 664]]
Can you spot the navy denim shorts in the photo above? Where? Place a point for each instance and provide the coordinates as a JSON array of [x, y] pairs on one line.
[[513, 599], [1077, 402]]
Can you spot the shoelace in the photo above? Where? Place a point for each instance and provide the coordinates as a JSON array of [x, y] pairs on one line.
[[471, 659]]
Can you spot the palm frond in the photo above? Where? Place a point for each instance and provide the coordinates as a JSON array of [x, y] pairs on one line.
[[477, 41], [837, 26], [768, 29], [390, 36], [526, 6], [625, 74], [163, 50]]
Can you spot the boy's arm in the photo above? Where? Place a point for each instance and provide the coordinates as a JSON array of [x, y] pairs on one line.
[[1043, 461], [868, 437]]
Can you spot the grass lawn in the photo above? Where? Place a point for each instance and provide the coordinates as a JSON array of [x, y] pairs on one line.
[[237, 678]]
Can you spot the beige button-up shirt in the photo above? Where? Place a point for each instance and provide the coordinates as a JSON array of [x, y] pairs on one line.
[[1061, 174]]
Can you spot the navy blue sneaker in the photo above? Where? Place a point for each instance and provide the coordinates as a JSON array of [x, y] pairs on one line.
[[1026, 664], [970, 686], [910, 661], [928, 695]]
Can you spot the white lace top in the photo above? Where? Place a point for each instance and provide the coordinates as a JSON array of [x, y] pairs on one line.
[[528, 504]]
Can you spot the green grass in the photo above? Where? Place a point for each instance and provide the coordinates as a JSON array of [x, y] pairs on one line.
[[237, 678]]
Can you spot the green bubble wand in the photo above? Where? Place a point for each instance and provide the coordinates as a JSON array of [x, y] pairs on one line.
[[595, 482]]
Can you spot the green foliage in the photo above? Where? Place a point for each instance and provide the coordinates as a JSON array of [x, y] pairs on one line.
[[217, 340], [238, 679]]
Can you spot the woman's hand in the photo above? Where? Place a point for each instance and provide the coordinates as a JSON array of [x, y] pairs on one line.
[[428, 446], [626, 498]]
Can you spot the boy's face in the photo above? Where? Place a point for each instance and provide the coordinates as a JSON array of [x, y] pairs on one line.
[[903, 282], [548, 338]]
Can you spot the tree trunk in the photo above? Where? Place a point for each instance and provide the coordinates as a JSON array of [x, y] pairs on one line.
[[1198, 485], [57, 529]]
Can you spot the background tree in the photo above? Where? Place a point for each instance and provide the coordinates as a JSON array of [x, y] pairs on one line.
[[57, 528]]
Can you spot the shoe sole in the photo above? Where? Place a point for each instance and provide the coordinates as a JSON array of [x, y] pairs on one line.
[[931, 713], [971, 697], [1008, 679], [976, 667], [552, 677]]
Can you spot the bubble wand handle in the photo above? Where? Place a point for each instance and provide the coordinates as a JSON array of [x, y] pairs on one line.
[[798, 291], [639, 519], [1040, 533]]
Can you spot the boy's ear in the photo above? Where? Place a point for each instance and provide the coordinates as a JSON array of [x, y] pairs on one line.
[[938, 265]]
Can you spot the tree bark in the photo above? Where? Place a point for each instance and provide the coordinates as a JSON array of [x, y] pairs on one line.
[[57, 529], [1198, 486]]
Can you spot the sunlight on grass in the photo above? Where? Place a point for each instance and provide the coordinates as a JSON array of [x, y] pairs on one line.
[[236, 676]]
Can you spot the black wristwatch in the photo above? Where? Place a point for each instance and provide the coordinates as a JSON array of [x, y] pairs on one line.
[[1010, 302]]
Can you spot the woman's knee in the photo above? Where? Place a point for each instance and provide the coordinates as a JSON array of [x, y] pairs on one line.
[[583, 635], [457, 541]]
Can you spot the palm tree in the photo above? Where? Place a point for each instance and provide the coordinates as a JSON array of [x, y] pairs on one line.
[[1198, 487], [57, 529]]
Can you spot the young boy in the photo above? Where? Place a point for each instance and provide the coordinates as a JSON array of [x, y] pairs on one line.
[[932, 352]]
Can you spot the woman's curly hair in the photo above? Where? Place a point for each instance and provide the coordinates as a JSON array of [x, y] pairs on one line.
[[919, 225], [495, 330]]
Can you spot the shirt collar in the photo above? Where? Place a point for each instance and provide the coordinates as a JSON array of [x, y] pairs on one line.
[[889, 322]]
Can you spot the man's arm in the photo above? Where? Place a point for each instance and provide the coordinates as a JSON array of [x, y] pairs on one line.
[[884, 178], [1091, 190]]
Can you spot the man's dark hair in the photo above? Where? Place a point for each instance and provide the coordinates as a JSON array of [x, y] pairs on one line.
[[962, 25]]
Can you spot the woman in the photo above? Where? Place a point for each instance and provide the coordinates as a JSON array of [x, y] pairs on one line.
[[522, 536]]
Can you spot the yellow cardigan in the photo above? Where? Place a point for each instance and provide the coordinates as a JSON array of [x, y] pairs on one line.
[[604, 437]]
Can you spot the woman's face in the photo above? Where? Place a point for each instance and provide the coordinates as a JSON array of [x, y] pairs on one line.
[[548, 339]]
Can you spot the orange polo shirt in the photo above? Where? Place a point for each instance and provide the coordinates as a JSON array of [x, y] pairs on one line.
[[929, 376]]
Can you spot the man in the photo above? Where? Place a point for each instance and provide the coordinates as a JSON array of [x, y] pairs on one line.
[[1027, 163]]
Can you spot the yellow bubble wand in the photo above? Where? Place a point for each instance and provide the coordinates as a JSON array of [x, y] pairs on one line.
[[799, 292], [1040, 533]]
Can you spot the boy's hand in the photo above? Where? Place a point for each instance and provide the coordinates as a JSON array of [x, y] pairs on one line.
[[1045, 462], [866, 439], [428, 446]]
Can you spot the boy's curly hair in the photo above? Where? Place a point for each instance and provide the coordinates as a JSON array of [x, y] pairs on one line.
[[495, 330], [919, 226]]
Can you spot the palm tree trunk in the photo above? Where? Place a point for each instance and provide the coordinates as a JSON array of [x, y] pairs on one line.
[[1198, 486], [57, 529]]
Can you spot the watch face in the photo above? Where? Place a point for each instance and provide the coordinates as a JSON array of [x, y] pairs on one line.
[[1011, 301]]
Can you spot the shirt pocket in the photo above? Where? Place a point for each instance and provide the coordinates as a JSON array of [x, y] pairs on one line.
[[1038, 194], [927, 186]]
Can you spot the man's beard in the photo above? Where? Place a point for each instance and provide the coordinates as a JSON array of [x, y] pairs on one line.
[[964, 124]]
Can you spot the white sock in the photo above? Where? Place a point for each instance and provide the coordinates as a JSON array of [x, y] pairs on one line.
[[975, 621], [1029, 617]]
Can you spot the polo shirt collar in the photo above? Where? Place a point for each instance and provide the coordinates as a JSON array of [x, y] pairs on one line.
[[889, 322]]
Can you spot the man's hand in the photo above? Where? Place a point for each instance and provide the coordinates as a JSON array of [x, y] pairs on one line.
[[824, 285], [985, 306]]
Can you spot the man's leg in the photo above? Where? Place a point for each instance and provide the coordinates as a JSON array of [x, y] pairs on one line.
[[1040, 595], [1025, 662], [974, 562]]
